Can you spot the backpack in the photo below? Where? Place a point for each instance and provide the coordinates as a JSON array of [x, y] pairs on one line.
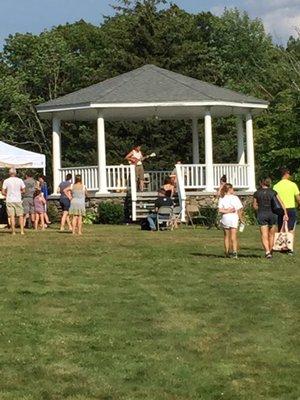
[[145, 225]]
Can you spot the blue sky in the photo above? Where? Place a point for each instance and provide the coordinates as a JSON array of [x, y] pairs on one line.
[[281, 17]]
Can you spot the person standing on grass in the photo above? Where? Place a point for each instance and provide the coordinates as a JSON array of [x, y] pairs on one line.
[[230, 207], [44, 190], [30, 187], [267, 220], [289, 194], [12, 189], [65, 202], [77, 194], [39, 208]]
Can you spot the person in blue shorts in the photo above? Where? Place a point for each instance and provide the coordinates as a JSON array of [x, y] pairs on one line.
[[65, 202]]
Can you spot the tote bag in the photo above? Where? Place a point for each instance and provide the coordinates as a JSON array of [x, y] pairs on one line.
[[284, 240]]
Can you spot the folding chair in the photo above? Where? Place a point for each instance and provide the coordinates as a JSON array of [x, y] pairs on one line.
[[147, 181], [176, 217], [164, 217], [194, 216]]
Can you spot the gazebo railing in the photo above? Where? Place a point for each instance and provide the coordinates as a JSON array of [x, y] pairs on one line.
[[193, 176], [236, 174], [117, 177], [89, 175]]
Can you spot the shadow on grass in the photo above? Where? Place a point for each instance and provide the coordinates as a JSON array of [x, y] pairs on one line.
[[221, 256]]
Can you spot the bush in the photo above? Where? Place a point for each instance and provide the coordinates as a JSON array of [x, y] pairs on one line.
[[53, 213], [250, 215], [90, 218], [110, 213]]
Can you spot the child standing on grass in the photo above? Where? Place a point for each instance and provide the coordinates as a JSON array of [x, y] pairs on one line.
[[39, 209], [230, 207]]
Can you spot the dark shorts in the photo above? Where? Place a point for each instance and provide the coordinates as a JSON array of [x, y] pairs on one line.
[[65, 203], [266, 219], [292, 214]]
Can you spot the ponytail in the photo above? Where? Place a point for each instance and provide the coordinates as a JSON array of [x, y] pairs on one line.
[[225, 189]]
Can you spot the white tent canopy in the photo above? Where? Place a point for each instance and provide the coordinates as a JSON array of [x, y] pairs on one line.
[[11, 156]]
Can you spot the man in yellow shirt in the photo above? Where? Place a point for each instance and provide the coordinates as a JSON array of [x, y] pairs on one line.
[[289, 193]]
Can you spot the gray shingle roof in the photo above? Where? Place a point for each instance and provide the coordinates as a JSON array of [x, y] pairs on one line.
[[150, 84]]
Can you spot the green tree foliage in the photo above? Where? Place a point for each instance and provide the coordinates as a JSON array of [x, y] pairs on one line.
[[231, 50]]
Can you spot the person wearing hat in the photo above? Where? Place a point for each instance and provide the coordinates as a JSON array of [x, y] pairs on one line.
[[12, 189]]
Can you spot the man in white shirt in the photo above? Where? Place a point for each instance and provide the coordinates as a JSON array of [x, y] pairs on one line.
[[12, 189], [135, 157]]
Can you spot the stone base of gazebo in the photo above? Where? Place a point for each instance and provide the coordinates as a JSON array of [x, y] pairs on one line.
[[145, 202]]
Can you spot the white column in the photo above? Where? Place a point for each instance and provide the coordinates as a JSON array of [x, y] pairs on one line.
[[250, 153], [56, 153], [101, 155], [209, 173], [196, 157], [240, 140]]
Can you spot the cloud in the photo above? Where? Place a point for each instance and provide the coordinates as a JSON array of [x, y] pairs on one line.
[[281, 17], [281, 24]]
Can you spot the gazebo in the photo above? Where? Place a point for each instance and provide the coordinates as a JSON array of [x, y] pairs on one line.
[[148, 92]]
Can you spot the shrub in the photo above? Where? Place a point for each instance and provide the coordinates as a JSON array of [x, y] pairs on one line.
[[250, 215], [52, 212], [110, 213], [90, 218]]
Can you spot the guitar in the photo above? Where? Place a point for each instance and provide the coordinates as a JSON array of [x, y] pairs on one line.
[[135, 161]]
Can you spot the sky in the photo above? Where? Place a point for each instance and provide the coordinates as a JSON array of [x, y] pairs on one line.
[[281, 17]]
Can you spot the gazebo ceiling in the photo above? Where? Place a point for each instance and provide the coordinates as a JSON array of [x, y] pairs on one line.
[[149, 92]]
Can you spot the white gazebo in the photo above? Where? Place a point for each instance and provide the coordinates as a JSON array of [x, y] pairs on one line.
[[148, 92]]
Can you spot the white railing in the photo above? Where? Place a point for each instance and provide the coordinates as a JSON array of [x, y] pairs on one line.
[[118, 177], [89, 175], [193, 175], [236, 174], [155, 180]]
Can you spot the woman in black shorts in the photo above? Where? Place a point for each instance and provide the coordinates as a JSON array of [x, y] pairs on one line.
[[267, 220]]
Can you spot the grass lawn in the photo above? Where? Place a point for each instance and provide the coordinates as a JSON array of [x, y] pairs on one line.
[[127, 314]]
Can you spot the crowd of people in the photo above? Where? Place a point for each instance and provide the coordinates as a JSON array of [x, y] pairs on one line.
[[26, 200], [276, 211]]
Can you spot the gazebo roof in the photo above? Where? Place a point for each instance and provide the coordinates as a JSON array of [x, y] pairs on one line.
[[150, 91]]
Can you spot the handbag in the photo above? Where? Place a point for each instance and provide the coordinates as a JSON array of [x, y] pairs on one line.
[[276, 206], [284, 240]]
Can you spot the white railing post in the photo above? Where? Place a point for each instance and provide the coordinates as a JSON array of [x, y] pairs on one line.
[[133, 191], [56, 152], [250, 153], [181, 191], [208, 152], [101, 155], [196, 157], [240, 140]]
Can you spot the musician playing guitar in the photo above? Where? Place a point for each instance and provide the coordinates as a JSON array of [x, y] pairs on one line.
[[136, 157]]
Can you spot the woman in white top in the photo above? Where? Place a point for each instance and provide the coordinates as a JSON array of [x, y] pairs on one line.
[[230, 207]]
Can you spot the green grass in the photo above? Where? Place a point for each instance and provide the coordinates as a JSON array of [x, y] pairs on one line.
[[126, 314]]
